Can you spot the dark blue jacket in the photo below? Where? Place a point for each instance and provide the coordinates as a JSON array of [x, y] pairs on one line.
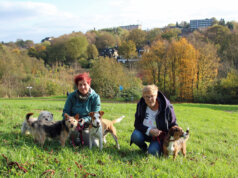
[[164, 120]]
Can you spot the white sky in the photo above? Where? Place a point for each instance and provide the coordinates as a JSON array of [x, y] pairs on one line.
[[37, 19]]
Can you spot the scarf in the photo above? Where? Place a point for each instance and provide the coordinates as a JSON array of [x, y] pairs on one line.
[[84, 97]]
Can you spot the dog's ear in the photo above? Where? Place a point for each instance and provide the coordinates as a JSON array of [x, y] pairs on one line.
[[66, 116], [171, 131], [91, 114], [101, 113], [76, 117]]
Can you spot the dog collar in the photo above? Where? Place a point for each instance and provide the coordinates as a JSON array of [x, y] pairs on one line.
[[95, 126]]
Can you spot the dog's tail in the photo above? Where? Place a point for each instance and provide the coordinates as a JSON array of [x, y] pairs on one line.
[[28, 115], [186, 134], [118, 120]]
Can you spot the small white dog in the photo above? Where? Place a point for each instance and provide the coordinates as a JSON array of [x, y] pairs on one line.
[[43, 116], [100, 127]]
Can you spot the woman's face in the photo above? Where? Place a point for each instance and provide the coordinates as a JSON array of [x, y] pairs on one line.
[[150, 99], [83, 87]]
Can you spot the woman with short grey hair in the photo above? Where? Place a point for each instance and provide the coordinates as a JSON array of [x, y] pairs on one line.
[[153, 118]]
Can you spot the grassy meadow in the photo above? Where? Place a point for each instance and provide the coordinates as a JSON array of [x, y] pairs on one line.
[[211, 149]]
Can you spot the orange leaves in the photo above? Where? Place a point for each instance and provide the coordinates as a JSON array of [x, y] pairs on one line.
[[185, 56], [172, 66], [11, 164], [83, 171]]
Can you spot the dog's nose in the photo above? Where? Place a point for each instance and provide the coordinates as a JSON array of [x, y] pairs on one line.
[[72, 125]]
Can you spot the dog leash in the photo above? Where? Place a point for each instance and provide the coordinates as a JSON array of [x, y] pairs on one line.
[[79, 128], [160, 137]]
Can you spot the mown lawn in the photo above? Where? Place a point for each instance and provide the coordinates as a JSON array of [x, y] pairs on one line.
[[211, 150]]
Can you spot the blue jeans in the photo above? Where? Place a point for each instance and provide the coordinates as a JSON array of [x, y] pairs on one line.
[[139, 139]]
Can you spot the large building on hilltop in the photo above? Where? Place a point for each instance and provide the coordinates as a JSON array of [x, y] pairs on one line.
[[202, 23], [131, 27]]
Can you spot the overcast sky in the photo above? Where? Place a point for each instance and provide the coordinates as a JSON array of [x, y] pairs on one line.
[[37, 19]]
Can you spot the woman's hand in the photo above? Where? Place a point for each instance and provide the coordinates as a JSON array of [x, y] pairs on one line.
[[155, 132]]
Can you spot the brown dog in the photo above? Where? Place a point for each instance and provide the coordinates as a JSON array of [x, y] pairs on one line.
[[100, 127], [175, 141], [60, 129]]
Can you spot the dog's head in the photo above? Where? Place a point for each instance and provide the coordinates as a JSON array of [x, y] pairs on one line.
[[71, 122], [176, 132], [45, 116], [95, 118]]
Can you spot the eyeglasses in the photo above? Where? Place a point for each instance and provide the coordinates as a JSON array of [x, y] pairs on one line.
[[147, 97]]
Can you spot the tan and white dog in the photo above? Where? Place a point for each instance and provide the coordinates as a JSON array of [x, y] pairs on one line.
[[100, 127], [175, 141]]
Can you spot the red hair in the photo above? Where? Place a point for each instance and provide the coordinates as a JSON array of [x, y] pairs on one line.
[[84, 76]]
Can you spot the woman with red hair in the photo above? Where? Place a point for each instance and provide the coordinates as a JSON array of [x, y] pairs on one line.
[[83, 100]]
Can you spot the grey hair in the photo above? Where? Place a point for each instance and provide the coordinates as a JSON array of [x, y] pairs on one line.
[[150, 89]]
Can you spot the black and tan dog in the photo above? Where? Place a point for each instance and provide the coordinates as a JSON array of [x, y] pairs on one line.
[[175, 141], [59, 129]]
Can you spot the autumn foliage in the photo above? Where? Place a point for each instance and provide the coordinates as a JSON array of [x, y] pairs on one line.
[[177, 68]]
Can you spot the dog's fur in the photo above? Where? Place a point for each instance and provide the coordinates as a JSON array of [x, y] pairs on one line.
[[100, 127], [42, 129], [175, 141], [43, 116]]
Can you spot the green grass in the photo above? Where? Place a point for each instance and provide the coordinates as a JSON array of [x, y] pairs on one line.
[[211, 148]]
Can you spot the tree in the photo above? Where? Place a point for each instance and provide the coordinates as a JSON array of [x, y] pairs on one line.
[[24, 44], [170, 34], [217, 33], [127, 49], [148, 68], [56, 50], [154, 64], [230, 25], [75, 47], [222, 22], [108, 75], [91, 36], [229, 51], [105, 40], [214, 21], [226, 42], [207, 65], [153, 34], [67, 48], [183, 63], [92, 51], [138, 37], [207, 70]]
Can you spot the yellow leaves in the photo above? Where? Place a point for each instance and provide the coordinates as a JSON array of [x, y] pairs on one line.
[[128, 49], [186, 56], [173, 66], [16, 50]]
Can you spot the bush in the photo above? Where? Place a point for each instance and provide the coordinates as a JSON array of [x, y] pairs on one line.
[[107, 75], [130, 94]]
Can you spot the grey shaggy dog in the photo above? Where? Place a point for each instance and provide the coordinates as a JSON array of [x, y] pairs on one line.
[[43, 116]]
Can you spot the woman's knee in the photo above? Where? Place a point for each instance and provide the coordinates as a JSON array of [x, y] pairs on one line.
[[154, 149], [137, 137]]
